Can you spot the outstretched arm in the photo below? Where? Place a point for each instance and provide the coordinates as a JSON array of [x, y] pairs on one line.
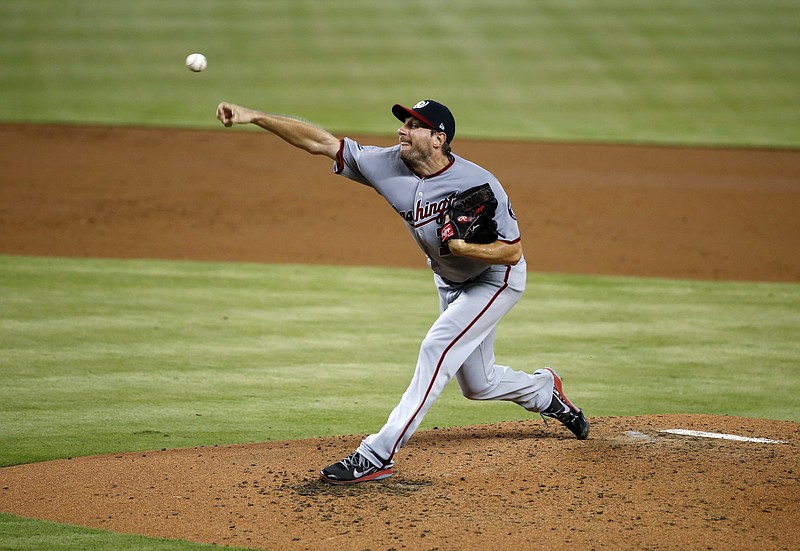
[[300, 134]]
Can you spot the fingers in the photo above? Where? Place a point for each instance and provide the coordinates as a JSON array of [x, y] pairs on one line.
[[225, 114]]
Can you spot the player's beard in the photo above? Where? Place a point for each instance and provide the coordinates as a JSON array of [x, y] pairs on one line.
[[414, 155]]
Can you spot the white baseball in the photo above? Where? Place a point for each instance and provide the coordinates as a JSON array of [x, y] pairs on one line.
[[196, 62]]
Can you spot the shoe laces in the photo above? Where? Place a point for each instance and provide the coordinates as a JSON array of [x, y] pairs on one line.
[[564, 413], [356, 460]]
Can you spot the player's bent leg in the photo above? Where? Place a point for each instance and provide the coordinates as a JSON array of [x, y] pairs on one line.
[[542, 392], [481, 379], [531, 392]]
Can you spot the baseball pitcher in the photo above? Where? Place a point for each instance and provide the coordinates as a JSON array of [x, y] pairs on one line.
[[461, 218]]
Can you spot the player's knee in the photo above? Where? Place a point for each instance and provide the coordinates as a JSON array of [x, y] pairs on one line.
[[470, 394], [476, 384], [473, 392]]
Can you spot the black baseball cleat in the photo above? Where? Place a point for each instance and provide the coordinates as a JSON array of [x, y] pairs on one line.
[[561, 409], [354, 468]]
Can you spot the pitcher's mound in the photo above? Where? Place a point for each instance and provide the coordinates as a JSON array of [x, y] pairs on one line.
[[516, 485]]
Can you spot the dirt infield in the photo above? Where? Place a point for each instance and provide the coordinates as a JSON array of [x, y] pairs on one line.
[[244, 196], [235, 195]]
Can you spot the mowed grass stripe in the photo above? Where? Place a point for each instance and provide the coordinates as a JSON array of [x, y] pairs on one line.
[[707, 72]]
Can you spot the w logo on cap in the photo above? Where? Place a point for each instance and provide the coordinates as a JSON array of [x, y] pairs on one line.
[[420, 104]]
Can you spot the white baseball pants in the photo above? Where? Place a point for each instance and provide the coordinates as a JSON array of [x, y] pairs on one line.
[[461, 344]]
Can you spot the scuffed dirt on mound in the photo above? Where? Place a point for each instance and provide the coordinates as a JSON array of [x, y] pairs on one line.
[[516, 485]]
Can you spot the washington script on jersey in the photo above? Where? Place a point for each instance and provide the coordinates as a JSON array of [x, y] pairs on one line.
[[430, 212]]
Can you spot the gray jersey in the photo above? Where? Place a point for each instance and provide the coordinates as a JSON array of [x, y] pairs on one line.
[[423, 201]]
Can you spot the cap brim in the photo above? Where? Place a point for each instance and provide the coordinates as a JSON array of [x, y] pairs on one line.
[[402, 112]]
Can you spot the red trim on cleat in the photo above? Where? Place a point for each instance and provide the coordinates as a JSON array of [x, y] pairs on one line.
[[377, 475], [560, 390]]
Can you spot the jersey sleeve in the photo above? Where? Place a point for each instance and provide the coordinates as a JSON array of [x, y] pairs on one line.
[[507, 226], [347, 161]]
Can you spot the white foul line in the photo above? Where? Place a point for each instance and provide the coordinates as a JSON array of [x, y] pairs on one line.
[[701, 434]]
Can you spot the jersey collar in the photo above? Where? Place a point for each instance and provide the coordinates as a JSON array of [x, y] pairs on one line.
[[429, 176]]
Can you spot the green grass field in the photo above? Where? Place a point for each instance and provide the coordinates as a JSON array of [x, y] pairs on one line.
[[21, 535], [99, 356], [668, 71], [109, 355]]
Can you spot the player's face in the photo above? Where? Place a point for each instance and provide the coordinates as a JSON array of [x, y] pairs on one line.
[[416, 141]]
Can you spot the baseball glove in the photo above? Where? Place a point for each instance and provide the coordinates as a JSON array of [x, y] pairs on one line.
[[472, 216]]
